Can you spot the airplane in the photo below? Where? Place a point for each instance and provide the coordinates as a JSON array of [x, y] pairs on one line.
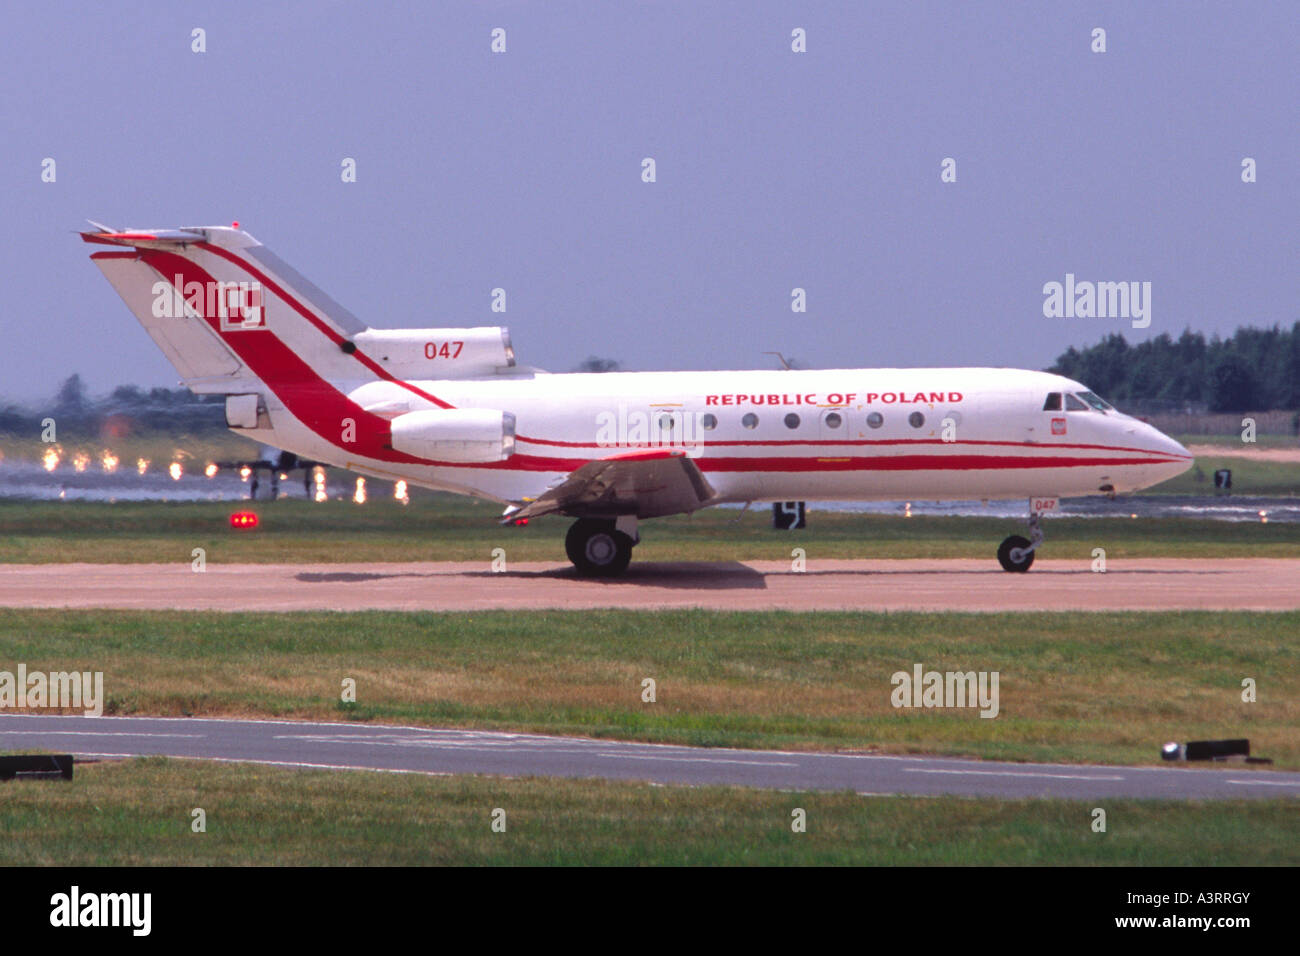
[[450, 409], [276, 462]]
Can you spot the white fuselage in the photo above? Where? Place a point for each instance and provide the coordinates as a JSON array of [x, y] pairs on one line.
[[842, 434]]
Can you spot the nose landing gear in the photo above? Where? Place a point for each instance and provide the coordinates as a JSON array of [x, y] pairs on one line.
[[601, 547], [1016, 553]]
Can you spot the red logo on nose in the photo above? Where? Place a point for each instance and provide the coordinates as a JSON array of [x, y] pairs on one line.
[[1058, 426]]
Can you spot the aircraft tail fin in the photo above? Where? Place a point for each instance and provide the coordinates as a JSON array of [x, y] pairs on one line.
[[225, 310]]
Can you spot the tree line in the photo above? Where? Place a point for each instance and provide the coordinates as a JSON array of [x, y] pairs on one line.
[[127, 407], [1253, 370]]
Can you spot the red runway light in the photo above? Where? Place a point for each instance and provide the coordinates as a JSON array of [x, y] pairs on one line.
[[243, 519]]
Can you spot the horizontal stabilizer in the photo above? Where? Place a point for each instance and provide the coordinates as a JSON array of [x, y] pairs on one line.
[[144, 238]]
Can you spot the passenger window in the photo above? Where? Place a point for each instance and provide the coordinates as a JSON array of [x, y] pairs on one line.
[[1053, 403], [875, 420], [1073, 404], [709, 421], [916, 419], [751, 420], [792, 420], [833, 420]]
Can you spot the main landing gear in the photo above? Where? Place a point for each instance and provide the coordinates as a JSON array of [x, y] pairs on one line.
[[601, 547], [1016, 553]]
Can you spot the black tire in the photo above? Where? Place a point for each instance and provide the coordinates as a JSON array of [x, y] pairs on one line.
[[597, 548], [576, 539], [1004, 554]]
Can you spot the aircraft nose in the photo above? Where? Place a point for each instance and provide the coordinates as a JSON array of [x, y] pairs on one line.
[[1158, 442], [1171, 447]]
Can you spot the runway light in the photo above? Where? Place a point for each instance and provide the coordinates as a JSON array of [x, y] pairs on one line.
[[359, 496], [399, 492], [175, 470], [243, 520], [80, 460], [108, 461], [50, 460], [907, 510], [1263, 517], [318, 475], [142, 465], [244, 472]]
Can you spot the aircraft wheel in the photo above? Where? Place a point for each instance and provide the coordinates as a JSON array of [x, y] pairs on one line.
[[1005, 558], [596, 548]]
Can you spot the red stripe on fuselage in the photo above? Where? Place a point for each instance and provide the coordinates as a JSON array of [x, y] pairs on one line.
[[917, 463]]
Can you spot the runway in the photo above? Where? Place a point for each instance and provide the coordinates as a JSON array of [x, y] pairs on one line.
[[440, 751], [1147, 584]]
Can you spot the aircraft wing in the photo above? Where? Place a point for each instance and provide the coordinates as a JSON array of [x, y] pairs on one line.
[[647, 484]]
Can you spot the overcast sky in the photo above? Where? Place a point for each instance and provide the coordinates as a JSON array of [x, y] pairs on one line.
[[775, 170]]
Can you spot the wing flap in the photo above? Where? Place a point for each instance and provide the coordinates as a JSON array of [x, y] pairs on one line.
[[648, 484]]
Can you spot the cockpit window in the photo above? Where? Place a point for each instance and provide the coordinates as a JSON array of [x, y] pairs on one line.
[[1073, 404], [1098, 403], [1053, 403]]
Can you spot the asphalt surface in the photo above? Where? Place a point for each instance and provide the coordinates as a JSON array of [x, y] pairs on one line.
[[441, 751], [1147, 584]]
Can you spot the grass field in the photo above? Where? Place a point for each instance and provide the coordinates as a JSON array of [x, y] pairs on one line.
[[1249, 477], [442, 528], [1100, 688], [139, 813]]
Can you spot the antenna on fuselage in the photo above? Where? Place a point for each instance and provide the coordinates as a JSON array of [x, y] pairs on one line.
[[784, 364]]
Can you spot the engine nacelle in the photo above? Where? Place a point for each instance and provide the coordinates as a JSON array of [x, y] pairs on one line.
[[468, 435], [436, 353]]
